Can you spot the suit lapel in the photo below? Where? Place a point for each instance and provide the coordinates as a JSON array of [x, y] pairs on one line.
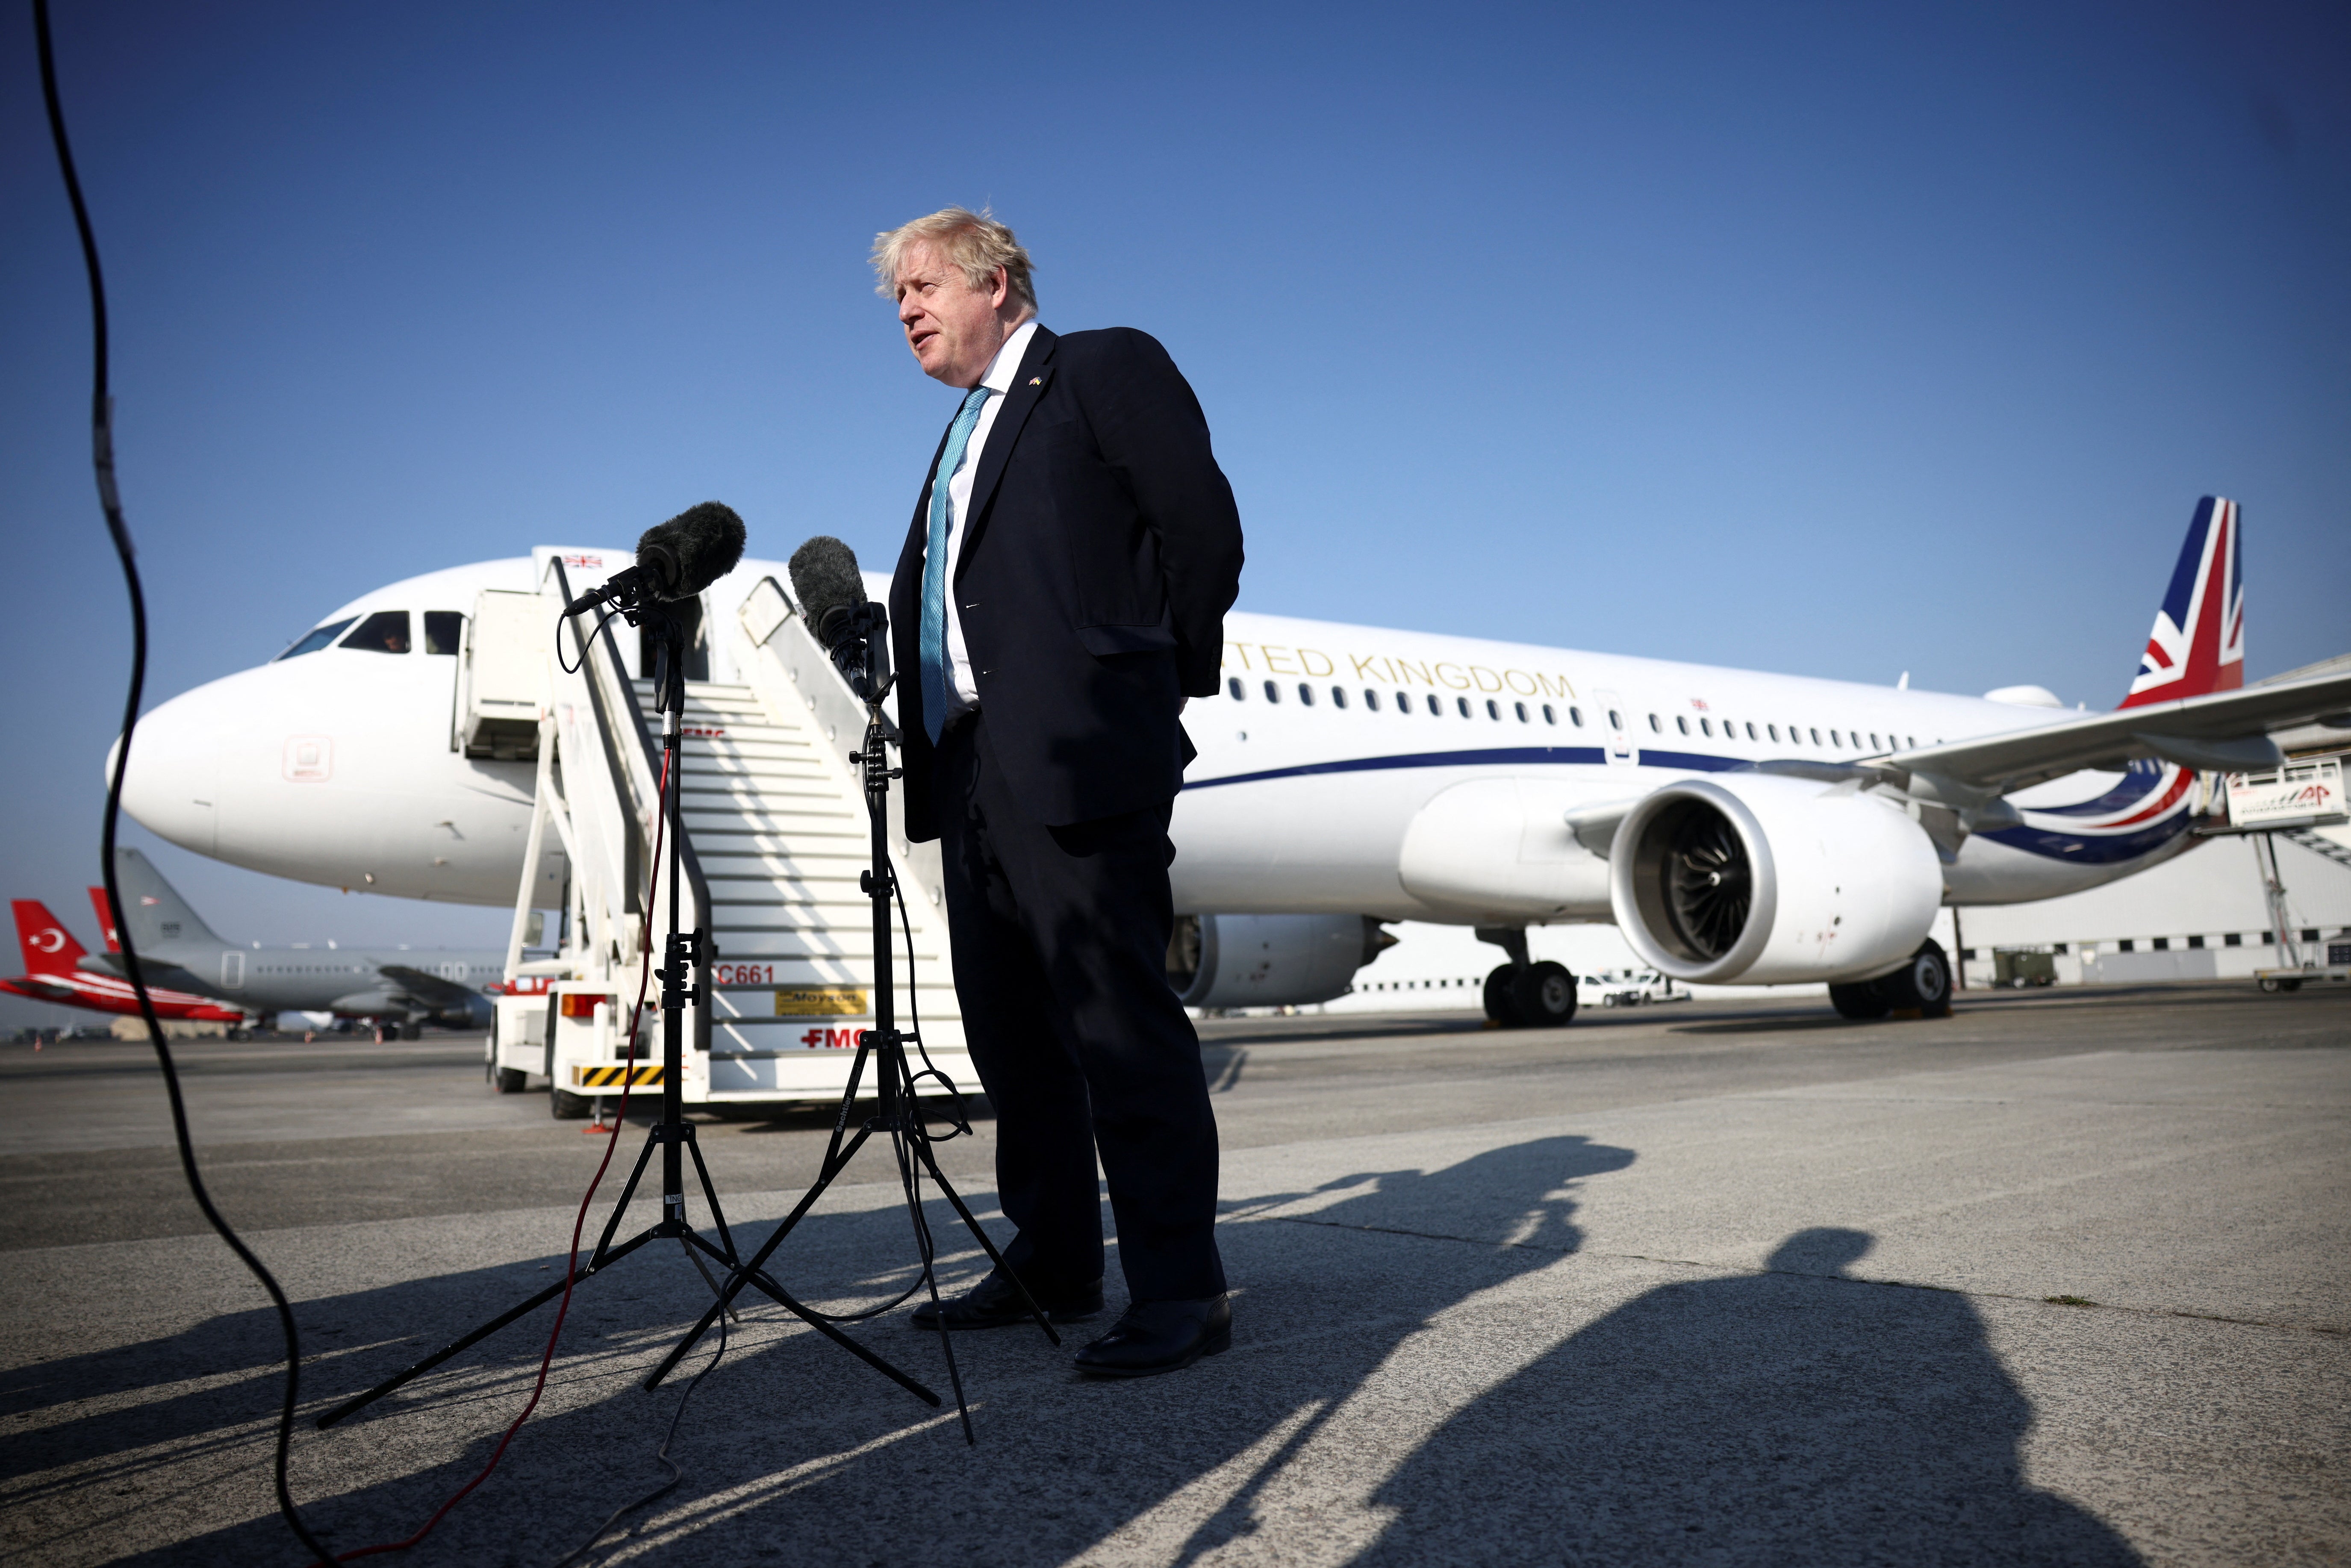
[[1029, 384]]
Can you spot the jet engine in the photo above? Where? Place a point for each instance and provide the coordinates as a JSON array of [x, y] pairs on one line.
[[1270, 960], [1762, 880]]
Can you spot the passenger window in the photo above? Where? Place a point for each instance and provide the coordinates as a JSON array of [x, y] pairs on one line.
[[1654, 725], [1873, 741], [1463, 704], [1774, 730], [1522, 711], [1549, 716], [385, 632], [1404, 702], [1835, 741], [1681, 724], [311, 642], [1305, 694], [1911, 741], [1706, 725], [444, 630], [1493, 710], [1371, 699], [1435, 709], [1272, 692], [1575, 716], [1816, 738], [1235, 687], [1752, 736], [1615, 719], [1338, 696]]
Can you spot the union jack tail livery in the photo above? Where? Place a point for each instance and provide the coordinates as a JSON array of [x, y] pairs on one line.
[[2198, 641], [50, 948]]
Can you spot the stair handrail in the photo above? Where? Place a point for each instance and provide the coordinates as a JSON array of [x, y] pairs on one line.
[[630, 780]]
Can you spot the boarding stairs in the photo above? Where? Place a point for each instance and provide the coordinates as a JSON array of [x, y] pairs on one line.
[[776, 840], [782, 839], [2318, 844]]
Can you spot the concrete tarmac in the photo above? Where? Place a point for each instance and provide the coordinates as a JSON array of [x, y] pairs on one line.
[[2065, 1279]]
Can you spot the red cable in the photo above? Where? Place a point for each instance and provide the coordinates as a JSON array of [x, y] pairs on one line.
[[580, 1221]]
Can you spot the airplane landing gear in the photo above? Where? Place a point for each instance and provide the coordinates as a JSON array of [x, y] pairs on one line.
[[1522, 994], [1922, 986]]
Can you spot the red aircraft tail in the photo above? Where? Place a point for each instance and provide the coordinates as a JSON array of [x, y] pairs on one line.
[[50, 948], [105, 920]]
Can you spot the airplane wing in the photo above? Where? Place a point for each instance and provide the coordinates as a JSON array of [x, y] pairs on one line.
[[2219, 732], [439, 995], [158, 973]]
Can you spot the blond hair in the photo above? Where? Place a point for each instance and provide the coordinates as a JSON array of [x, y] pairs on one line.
[[975, 242]]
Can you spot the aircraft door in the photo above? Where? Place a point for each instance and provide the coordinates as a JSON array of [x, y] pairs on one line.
[[1620, 739], [232, 971]]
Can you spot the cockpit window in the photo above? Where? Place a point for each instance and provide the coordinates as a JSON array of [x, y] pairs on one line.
[[385, 632], [443, 631], [316, 639]]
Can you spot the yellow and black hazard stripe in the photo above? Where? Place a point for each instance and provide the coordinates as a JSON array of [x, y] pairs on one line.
[[612, 1077]]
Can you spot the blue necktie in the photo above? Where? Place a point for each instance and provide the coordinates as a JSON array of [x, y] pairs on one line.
[[934, 565]]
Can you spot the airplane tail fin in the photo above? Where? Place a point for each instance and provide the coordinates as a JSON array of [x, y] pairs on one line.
[[160, 918], [106, 930], [2198, 641], [50, 948]]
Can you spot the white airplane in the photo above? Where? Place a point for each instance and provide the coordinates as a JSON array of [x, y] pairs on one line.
[[401, 989], [1736, 826]]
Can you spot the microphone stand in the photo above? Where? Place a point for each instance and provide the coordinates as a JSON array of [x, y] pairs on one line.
[[683, 957], [861, 650]]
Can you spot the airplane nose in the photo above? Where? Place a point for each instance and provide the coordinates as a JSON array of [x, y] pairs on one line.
[[171, 785]]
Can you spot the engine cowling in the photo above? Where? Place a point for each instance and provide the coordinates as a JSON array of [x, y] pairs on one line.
[[1270, 960], [1761, 880]]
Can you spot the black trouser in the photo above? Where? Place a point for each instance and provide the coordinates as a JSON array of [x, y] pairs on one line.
[[1060, 964]]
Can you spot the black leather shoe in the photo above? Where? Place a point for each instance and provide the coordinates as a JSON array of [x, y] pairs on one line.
[[1160, 1336], [993, 1303]]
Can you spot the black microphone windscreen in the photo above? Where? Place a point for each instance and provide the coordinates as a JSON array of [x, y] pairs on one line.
[[693, 549], [825, 579]]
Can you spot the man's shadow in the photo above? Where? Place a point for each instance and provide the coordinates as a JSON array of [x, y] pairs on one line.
[[1800, 1415]]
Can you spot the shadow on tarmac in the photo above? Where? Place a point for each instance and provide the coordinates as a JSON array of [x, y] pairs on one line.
[[1795, 1416], [1799, 1416]]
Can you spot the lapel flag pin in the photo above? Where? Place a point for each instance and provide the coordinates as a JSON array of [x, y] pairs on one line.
[[1035, 381]]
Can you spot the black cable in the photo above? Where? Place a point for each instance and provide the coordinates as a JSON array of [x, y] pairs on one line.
[[660, 1455], [562, 618], [101, 421]]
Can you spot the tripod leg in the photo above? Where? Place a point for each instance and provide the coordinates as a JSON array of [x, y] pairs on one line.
[[911, 1180], [746, 1275], [709, 1193], [636, 1175], [931, 1164], [486, 1331], [709, 1277], [741, 1275]]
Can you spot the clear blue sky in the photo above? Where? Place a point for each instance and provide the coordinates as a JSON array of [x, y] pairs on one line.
[[1835, 339]]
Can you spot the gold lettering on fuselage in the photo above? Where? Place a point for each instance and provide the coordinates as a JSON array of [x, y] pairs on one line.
[[1392, 670]]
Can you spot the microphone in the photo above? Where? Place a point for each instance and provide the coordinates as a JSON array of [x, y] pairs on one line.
[[675, 560], [826, 582]]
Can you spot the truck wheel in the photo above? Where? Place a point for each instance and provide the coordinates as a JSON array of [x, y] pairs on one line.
[[1501, 1004], [511, 1079], [1862, 1001], [1544, 997], [569, 1107]]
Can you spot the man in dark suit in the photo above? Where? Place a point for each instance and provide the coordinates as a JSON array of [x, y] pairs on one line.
[[1062, 592]]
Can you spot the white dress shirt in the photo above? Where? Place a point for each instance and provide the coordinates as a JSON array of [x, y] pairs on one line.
[[963, 693]]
